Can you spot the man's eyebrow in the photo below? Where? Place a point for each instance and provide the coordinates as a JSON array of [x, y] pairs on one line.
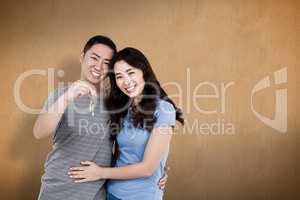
[[96, 55]]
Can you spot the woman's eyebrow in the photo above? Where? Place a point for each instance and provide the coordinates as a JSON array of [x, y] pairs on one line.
[[128, 70]]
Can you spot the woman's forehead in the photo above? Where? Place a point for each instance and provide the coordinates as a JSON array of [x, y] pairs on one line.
[[122, 66]]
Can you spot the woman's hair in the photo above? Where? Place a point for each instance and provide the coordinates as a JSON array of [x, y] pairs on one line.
[[119, 103], [99, 39]]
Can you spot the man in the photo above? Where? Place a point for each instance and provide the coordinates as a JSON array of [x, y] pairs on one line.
[[76, 115]]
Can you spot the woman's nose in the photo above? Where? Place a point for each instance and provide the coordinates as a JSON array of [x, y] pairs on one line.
[[127, 81]]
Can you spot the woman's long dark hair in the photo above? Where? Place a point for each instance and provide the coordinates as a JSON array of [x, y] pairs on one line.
[[119, 103]]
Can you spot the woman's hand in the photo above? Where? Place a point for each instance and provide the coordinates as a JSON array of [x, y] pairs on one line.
[[88, 172], [163, 180]]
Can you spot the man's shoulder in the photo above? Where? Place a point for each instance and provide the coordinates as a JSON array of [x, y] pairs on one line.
[[53, 96], [59, 90]]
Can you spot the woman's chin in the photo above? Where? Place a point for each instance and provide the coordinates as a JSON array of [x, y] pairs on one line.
[[131, 95]]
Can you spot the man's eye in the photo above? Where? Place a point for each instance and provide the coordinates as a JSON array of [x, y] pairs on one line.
[[94, 58], [107, 63], [130, 73]]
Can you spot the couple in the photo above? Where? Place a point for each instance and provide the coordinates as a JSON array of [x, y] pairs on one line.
[[121, 136]]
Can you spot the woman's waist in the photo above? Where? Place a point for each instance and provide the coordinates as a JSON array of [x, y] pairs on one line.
[[146, 186]]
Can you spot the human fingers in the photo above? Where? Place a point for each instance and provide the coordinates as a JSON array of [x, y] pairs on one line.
[[87, 163], [89, 86], [77, 168], [82, 180]]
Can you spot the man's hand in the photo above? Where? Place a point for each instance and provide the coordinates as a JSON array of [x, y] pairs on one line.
[[80, 88], [48, 120]]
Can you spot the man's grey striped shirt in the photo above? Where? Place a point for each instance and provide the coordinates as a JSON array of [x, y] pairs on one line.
[[80, 135]]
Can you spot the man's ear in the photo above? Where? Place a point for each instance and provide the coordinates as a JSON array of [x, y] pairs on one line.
[[81, 57]]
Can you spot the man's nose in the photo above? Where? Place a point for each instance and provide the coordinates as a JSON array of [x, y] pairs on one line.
[[99, 65]]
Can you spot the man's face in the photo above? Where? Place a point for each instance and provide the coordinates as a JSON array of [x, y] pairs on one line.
[[94, 63]]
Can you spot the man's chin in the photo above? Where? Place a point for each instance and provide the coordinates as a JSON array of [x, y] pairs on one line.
[[96, 81], [92, 81]]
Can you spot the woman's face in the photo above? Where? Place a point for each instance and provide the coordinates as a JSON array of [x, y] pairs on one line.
[[129, 79]]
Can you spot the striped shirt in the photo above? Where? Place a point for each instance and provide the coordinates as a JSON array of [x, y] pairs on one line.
[[80, 135]]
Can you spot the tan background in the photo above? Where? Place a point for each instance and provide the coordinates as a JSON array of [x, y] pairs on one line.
[[219, 41]]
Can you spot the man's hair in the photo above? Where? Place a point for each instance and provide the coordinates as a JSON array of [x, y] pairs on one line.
[[99, 39]]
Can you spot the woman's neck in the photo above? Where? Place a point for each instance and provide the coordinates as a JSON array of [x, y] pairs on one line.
[[137, 100]]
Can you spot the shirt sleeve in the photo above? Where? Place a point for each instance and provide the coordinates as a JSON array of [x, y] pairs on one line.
[[165, 114], [52, 98]]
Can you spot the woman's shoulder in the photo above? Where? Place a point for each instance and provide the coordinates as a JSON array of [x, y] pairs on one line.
[[164, 106], [165, 113]]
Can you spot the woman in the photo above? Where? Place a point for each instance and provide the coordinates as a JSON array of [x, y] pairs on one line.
[[142, 117]]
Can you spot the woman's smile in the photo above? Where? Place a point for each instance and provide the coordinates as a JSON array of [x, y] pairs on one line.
[[131, 88], [129, 79]]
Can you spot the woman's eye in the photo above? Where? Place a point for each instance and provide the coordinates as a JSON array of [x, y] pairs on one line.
[[130, 73], [107, 63], [118, 77]]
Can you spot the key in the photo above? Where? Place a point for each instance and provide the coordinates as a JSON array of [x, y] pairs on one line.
[[91, 108]]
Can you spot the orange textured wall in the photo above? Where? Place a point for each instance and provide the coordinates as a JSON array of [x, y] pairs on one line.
[[221, 48]]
